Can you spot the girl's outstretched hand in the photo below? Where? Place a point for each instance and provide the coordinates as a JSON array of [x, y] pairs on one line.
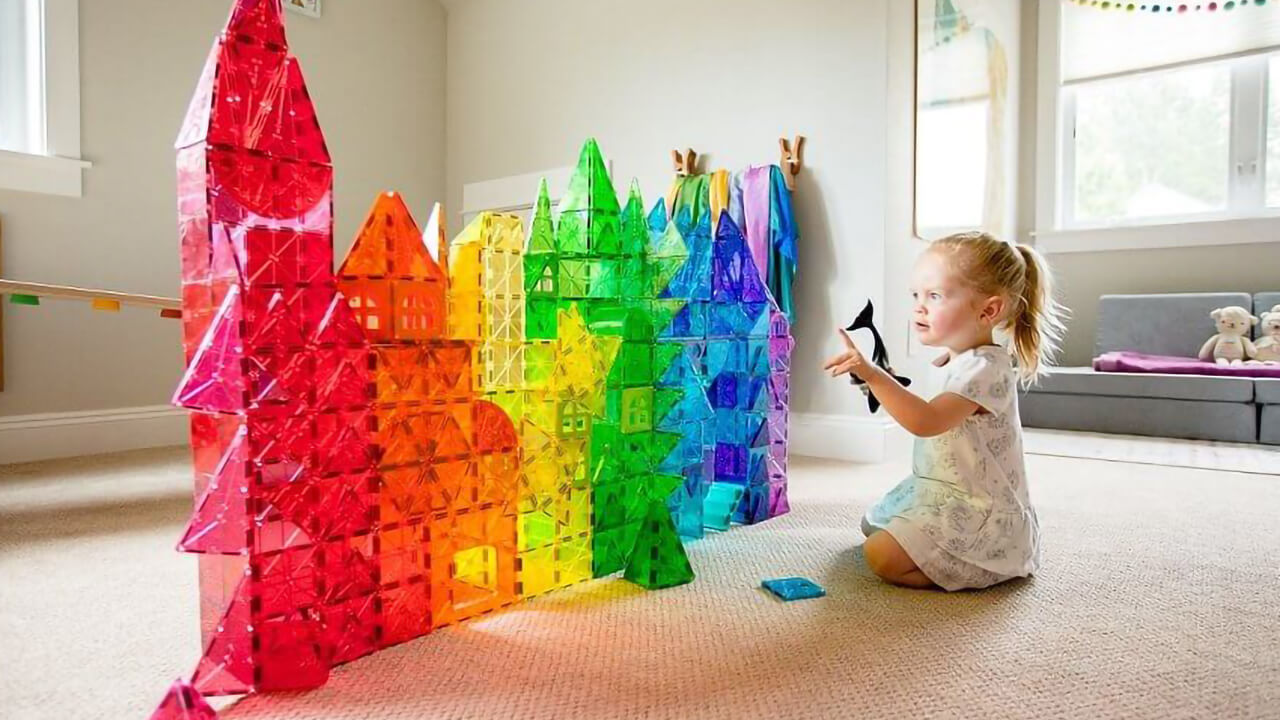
[[849, 361]]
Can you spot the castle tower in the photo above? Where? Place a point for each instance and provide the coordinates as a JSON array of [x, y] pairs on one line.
[[449, 462], [592, 260], [747, 361], [682, 403], [553, 384], [277, 380]]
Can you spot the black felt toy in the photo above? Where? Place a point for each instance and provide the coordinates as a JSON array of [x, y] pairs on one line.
[[879, 355]]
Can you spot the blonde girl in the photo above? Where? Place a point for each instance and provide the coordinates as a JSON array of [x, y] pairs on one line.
[[963, 518]]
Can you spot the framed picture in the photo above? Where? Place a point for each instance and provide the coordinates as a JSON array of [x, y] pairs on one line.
[[310, 8], [966, 116]]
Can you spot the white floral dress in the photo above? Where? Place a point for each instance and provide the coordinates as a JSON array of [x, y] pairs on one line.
[[964, 515]]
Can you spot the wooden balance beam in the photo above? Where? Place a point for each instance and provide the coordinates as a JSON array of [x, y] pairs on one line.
[[104, 297]]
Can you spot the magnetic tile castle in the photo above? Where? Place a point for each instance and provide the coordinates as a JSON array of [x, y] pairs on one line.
[[439, 429]]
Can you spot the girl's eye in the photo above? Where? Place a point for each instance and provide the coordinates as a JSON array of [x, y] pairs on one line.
[[935, 296]]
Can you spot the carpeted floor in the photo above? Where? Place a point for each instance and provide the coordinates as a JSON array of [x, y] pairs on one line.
[[1204, 454], [1159, 597]]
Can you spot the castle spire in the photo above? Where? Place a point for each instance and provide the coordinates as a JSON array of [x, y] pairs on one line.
[[259, 21], [252, 95]]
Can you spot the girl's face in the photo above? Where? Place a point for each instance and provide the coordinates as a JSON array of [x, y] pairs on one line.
[[948, 313]]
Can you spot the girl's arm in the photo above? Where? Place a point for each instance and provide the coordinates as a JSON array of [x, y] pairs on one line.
[[920, 417]]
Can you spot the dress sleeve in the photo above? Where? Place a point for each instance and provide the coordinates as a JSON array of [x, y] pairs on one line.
[[985, 378]]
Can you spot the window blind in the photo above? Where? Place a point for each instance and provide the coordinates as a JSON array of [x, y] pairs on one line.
[[1102, 43]]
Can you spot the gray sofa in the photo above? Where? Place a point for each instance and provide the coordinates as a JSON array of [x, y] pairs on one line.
[[1186, 406]]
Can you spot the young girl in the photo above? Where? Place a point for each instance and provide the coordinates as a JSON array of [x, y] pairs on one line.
[[963, 518]]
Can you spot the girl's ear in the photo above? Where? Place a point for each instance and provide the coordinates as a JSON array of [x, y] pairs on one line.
[[993, 309]]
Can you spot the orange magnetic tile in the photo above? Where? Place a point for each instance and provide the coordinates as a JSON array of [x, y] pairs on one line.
[[453, 485], [448, 372], [498, 478], [402, 437], [418, 309], [399, 374], [494, 431], [454, 599], [404, 494], [370, 302]]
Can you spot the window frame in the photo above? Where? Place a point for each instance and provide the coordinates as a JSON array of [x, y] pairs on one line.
[[1246, 220], [59, 169], [1245, 147]]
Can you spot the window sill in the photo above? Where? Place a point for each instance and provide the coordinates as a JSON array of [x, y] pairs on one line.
[[1201, 233], [46, 174]]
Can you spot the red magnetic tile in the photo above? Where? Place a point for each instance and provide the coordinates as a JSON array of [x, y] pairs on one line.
[[183, 702]]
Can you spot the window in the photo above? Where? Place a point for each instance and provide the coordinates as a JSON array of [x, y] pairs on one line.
[[1152, 145], [40, 97], [1167, 117], [22, 123]]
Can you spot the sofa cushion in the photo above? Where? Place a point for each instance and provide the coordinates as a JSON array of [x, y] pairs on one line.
[[1267, 391], [1269, 429], [1159, 417], [1264, 301], [1173, 324], [1086, 381]]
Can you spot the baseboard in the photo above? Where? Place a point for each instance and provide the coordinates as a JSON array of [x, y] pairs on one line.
[[44, 436], [847, 437]]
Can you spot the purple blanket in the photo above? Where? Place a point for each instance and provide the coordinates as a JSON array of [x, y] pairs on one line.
[[1133, 362]]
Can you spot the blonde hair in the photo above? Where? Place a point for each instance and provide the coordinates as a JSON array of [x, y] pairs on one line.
[[1020, 275]]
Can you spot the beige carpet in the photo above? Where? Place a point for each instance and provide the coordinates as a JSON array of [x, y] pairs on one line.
[[1159, 597]]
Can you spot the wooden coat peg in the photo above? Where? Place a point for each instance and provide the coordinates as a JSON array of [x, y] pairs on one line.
[[791, 160], [686, 164]]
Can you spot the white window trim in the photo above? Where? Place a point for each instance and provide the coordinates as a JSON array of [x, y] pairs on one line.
[[1261, 226], [59, 171], [1192, 232]]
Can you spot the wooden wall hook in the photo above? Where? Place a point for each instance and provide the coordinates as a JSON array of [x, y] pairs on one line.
[[685, 164], [791, 159]]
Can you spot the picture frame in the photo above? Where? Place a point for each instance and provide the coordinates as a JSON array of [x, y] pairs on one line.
[[310, 8]]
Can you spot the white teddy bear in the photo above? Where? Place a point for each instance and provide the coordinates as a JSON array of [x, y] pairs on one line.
[[1267, 348], [1231, 346]]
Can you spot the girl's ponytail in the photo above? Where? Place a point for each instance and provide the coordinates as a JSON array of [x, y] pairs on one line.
[[1037, 318]]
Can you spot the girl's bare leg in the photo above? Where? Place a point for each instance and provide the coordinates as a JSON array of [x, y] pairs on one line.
[[887, 559]]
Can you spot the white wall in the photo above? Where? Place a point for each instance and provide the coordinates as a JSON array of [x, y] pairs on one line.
[[376, 72], [528, 81]]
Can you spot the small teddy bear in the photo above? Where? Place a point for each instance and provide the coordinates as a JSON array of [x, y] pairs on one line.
[[1267, 348], [1231, 346]]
